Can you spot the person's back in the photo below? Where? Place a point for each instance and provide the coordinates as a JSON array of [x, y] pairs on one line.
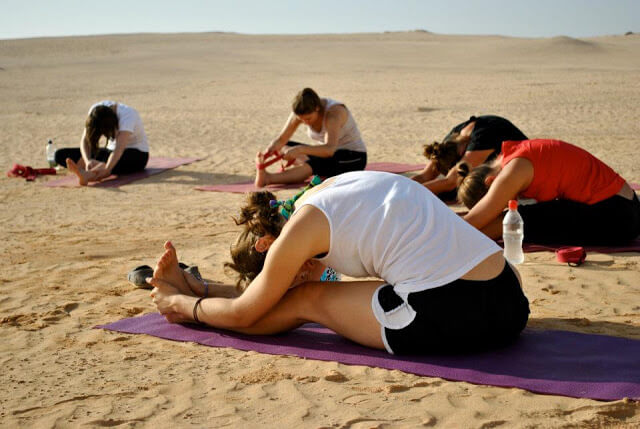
[[564, 171], [381, 224]]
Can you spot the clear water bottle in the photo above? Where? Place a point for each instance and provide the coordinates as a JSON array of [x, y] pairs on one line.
[[51, 153], [512, 234]]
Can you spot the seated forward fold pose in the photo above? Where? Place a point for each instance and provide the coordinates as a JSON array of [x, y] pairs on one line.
[[477, 140], [329, 122], [579, 199], [127, 149], [445, 287]]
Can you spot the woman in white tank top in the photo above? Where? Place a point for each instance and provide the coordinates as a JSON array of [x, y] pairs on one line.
[[340, 146], [444, 286]]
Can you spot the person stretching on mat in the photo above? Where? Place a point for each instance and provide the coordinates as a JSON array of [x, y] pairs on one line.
[[127, 149], [580, 200], [328, 122], [474, 141], [445, 287]]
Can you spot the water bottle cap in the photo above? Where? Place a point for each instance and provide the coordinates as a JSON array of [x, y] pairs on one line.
[[513, 205]]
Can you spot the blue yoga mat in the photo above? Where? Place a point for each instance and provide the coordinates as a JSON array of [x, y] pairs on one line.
[[551, 362]]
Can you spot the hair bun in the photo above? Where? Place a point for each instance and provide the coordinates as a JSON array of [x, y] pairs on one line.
[[463, 169]]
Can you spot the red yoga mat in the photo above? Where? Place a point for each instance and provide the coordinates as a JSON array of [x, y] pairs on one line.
[[248, 186], [154, 166]]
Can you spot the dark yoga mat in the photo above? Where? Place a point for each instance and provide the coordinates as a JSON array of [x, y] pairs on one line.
[[631, 246], [154, 166], [552, 362]]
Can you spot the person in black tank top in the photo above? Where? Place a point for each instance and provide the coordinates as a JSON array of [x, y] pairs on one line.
[[474, 141]]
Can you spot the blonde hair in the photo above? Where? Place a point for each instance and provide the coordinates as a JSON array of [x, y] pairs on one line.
[[471, 183], [258, 219]]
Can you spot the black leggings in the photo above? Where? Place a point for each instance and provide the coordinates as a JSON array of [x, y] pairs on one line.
[[613, 221], [342, 161], [131, 161]]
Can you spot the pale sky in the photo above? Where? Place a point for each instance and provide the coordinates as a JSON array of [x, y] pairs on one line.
[[523, 18]]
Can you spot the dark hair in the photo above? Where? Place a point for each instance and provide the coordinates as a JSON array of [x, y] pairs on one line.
[[258, 219], [445, 154], [102, 121], [471, 183], [306, 101]]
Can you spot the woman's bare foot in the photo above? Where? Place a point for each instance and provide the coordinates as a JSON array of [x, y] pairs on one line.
[[262, 177], [83, 175], [167, 269]]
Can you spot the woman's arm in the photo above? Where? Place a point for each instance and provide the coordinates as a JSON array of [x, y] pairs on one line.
[[122, 140], [429, 172], [449, 183], [85, 150], [290, 127], [335, 118], [305, 235], [514, 178]]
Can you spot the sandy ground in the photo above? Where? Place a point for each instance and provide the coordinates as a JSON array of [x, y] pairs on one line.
[[66, 252]]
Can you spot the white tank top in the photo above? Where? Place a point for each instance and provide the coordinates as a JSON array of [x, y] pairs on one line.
[[387, 226], [349, 137]]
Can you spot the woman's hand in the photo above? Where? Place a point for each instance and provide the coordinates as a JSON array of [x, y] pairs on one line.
[[272, 147], [101, 171], [291, 153], [165, 298], [91, 164]]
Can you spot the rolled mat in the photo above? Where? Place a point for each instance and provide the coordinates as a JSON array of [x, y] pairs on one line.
[[543, 361], [154, 166]]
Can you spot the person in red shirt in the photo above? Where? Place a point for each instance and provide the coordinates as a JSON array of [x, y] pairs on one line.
[[578, 198]]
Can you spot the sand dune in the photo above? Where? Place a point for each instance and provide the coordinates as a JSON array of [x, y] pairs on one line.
[[66, 252]]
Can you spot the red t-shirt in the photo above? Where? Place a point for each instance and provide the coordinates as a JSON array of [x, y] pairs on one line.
[[563, 171]]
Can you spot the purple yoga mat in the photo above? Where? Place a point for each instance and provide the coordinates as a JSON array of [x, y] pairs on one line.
[[248, 186], [551, 362], [154, 166]]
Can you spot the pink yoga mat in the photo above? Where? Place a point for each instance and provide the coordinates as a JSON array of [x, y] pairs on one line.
[[154, 166], [248, 186]]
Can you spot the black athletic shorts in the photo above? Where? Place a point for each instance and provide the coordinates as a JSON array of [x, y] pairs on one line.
[[342, 161], [610, 222], [131, 161], [463, 316]]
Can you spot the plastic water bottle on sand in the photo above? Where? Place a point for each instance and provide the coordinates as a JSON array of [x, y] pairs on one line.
[[512, 234], [51, 153]]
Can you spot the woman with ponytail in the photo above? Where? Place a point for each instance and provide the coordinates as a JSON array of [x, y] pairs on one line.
[[127, 150], [432, 270], [578, 199], [330, 123], [473, 142]]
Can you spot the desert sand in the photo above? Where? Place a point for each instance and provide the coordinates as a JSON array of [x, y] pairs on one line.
[[66, 251]]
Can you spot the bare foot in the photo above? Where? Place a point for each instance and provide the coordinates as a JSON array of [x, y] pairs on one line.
[[83, 178], [262, 177], [167, 269]]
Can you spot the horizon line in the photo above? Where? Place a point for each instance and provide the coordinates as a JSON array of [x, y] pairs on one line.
[[423, 31]]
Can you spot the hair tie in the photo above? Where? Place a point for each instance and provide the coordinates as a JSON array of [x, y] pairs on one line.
[[287, 207]]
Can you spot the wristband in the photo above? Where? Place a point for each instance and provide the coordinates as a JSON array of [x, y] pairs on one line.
[[195, 309]]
